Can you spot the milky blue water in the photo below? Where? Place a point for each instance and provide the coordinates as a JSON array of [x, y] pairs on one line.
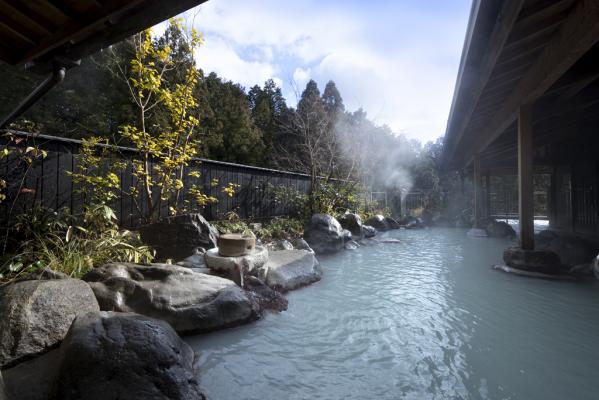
[[424, 319]]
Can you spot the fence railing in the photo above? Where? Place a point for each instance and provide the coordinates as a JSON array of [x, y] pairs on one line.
[[48, 183]]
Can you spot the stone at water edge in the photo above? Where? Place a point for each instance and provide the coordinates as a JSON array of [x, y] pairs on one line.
[[353, 223], [570, 249], [529, 274], [539, 261], [378, 222], [37, 314], [410, 222], [582, 270], [283, 245], [596, 267], [324, 234], [196, 263], [179, 236], [112, 356], [301, 244], [2, 391], [369, 231], [351, 245], [390, 240], [41, 370], [391, 223], [269, 299], [500, 229], [291, 269], [191, 302]]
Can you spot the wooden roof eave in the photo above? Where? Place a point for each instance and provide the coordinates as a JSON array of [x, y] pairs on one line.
[[573, 38], [112, 22], [466, 97], [577, 35]]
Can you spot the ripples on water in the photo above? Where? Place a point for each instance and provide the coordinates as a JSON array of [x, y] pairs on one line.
[[424, 319]]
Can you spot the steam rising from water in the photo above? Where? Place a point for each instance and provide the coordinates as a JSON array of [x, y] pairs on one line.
[[381, 158]]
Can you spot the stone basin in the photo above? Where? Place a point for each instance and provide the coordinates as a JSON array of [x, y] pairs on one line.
[[249, 262], [236, 245]]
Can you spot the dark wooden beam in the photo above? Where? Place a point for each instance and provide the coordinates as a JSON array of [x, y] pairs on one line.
[[527, 47], [67, 32], [545, 16], [578, 87], [17, 17], [113, 29], [576, 36], [516, 73], [20, 10], [537, 37]]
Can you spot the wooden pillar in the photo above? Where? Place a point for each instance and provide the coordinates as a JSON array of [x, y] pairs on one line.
[[525, 178], [478, 192], [488, 195], [552, 204], [573, 196]]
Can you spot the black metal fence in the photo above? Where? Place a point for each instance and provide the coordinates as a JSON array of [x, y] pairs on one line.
[[47, 182]]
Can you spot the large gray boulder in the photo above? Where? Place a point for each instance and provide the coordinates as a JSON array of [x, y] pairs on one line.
[[353, 223], [324, 234], [301, 244], [410, 222], [537, 261], [369, 231], [2, 390], [191, 302], [36, 315], [391, 223], [112, 356], [196, 263], [291, 269], [31, 379], [179, 237], [283, 245], [571, 250], [500, 229], [268, 298], [378, 222]]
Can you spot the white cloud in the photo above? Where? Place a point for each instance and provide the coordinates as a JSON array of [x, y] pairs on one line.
[[301, 76], [397, 60], [219, 55]]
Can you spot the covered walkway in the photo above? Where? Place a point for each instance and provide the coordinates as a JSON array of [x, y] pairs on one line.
[[526, 103]]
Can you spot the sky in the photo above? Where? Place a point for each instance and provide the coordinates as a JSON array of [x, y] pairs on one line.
[[396, 59]]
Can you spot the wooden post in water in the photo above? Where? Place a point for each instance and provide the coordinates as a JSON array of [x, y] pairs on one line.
[[525, 178], [488, 195], [478, 192]]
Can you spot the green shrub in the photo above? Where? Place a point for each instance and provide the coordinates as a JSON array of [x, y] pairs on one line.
[[369, 213], [48, 239], [281, 228], [233, 224]]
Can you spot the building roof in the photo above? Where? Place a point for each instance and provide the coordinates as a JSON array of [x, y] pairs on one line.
[[516, 52], [40, 33]]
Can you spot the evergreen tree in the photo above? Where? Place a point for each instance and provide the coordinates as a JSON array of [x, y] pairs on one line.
[[229, 133], [332, 101], [269, 110]]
